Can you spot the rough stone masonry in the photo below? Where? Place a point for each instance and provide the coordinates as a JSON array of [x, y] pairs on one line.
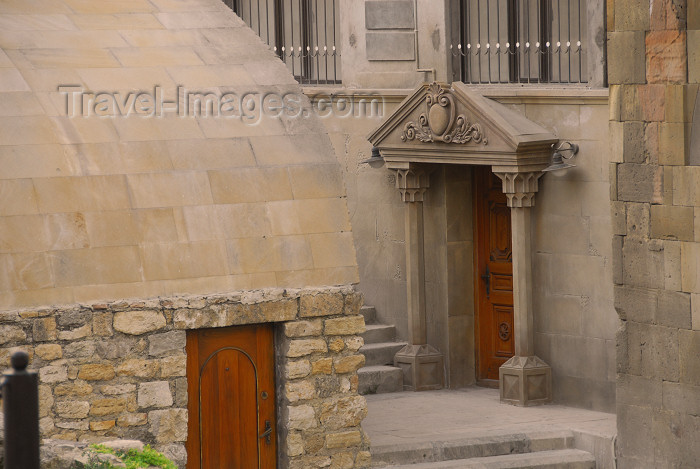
[[118, 369]]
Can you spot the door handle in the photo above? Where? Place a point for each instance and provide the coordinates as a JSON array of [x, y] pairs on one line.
[[487, 278], [267, 433]]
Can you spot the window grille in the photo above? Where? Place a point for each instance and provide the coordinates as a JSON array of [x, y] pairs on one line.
[[303, 33], [521, 41]]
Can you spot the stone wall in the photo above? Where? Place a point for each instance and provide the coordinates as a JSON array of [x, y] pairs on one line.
[[654, 74], [118, 370]]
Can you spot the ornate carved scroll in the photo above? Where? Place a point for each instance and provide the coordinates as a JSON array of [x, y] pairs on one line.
[[440, 122]]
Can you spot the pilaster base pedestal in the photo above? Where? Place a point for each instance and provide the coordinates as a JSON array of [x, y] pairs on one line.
[[525, 381], [422, 367]]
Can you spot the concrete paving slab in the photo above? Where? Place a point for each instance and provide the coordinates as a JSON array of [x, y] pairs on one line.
[[425, 419]]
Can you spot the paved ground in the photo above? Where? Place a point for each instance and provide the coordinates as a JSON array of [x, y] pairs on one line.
[[411, 417]]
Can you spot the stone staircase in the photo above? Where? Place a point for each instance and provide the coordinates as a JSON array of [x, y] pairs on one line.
[[379, 375], [537, 449]]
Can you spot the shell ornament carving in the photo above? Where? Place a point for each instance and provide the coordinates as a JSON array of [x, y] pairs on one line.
[[440, 122]]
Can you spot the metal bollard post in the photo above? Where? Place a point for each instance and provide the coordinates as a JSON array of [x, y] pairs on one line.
[[20, 403]]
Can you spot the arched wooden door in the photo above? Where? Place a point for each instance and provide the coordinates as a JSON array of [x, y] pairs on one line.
[[494, 277], [231, 401]]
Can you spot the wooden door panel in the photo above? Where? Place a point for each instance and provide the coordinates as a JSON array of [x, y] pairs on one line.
[[230, 375], [494, 301]]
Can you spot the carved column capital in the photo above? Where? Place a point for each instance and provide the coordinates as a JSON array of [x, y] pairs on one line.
[[520, 188], [412, 183]]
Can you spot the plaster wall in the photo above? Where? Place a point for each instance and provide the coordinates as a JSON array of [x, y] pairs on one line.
[[575, 321]]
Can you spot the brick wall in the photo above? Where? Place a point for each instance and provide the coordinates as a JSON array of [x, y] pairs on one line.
[[653, 75], [118, 370]]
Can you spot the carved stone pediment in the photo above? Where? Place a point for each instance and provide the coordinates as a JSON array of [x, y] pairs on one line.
[[441, 123]]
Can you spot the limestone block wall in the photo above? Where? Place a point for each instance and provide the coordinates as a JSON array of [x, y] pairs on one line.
[[118, 369], [654, 73]]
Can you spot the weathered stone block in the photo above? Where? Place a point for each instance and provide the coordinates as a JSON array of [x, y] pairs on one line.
[[631, 15], [295, 444], [96, 372], [635, 432], [75, 334], [301, 417], [168, 425], [320, 304], [343, 412], [689, 351], [167, 342], [674, 138], [672, 265], [389, 14], [155, 394], [43, 330], [353, 302], [674, 309], [72, 409], [636, 304], [101, 425], [132, 420], [117, 389], [349, 364], [683, 398], [390, 46], [138, 322], [666, 56], [350, 325], [102, 324], [139, 368], [638, 220], [297, 369], [73, 388], [633, 142], [672, 222], [689, 451], [642, 263], [303, 347], [639, 182], [639, 391], [300, 391], [80, 349], [618, 214], [653, 351], [49, 351], [336, 345], [363, 459], [626, 57], [354, 343], [109, 406], [53, 374], [74, 318], [303, 328], [322, 366], [173, 366]]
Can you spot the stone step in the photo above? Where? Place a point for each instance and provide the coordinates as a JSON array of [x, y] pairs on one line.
[[381, 353], [370, 314], [376, 333], [471, 447], [379, 379], [556, 459]]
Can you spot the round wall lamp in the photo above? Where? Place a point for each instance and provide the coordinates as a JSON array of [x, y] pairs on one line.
[[376, 161], [562, 152]]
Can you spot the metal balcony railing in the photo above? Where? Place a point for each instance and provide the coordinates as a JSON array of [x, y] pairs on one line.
[[520, 41], [304, 33]]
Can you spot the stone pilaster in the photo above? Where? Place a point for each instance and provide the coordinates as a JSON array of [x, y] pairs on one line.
[[421, 363], [525, 379]]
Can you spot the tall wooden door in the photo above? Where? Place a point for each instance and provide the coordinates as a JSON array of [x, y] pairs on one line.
[[231, 399], [494, 277]]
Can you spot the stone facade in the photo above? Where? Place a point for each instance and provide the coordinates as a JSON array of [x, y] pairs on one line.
[[655, 247], [118, 369]]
